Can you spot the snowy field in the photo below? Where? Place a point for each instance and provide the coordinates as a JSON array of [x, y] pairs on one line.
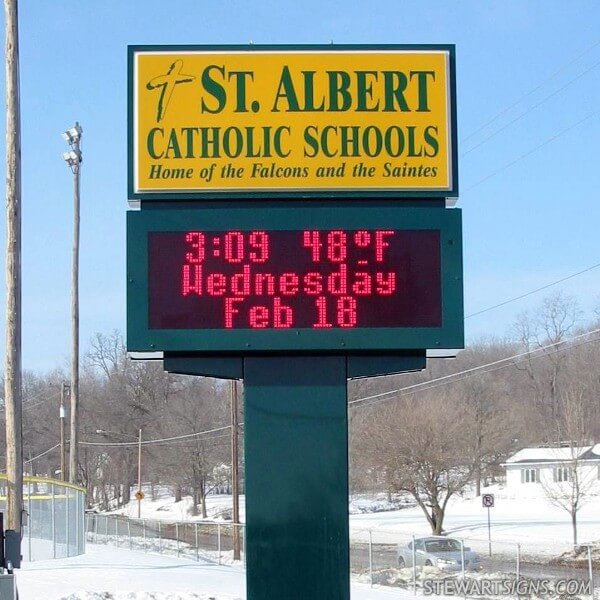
[[116, 573], [539, 527], [108, 573]]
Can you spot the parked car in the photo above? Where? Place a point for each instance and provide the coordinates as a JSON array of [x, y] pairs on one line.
[[437, 551]]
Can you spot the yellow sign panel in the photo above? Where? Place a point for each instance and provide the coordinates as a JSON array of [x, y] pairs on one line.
[[299, 121]]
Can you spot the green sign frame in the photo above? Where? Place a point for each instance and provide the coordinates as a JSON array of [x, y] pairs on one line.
[[290, 193], [283, 217]]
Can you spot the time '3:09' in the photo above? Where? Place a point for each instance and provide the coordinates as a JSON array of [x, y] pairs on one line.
[[235, 246]]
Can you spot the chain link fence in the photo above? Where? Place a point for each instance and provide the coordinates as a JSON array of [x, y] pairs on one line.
[[203, 541], [470, 568], [475, 568], [55, 524]]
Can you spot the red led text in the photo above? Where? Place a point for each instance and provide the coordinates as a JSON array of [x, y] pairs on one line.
[[303, 279]]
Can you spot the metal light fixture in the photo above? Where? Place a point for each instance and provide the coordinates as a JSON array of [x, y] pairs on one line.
[[72, 157], [73, 134]]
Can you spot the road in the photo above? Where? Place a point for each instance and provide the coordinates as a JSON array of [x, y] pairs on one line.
[[384, 556]]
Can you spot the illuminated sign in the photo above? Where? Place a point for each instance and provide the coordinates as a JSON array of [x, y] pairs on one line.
[[218, 280], [285, 121], [285, 279]]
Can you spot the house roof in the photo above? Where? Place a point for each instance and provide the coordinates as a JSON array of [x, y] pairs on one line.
[[550, 455], [593, 453]]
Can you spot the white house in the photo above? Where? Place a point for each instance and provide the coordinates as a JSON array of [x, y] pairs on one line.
[[539, 471]]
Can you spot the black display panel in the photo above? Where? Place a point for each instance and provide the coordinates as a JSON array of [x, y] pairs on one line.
[[302, 279]]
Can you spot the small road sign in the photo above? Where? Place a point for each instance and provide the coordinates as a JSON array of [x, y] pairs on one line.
[[139, 495], [487, 500]]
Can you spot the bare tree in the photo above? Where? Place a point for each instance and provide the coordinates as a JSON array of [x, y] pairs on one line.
[[198, 405], [424, 448], [121, 398], [573, 481], [550, 324]]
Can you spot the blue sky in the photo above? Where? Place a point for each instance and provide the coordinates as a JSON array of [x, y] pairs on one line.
[[529, 190]]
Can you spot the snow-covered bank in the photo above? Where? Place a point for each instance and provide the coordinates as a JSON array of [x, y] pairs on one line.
[[540, 527], [142, 596], [109, 573], [117, 571]]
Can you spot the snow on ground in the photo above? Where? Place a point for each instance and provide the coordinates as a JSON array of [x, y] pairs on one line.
[[108, 573], [164, 507], [541, 528], [110, 570], [111, 573], [373, 503], [219, 506]]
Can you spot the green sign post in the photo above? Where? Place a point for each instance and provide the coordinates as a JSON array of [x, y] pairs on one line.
[[293, 233], [296, 440]]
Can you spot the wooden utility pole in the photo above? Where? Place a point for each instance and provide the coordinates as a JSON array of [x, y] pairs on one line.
[[12, 365], [139, 494], [64, 393], [234, 471]]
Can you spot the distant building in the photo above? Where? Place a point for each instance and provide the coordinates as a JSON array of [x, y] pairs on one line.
[[531, 471]]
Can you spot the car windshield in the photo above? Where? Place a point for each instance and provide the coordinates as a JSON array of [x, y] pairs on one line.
[[435, 546]]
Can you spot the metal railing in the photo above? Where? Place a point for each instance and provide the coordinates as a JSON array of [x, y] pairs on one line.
[[201, 541], [508, 570], [55, 526], [389, 558]]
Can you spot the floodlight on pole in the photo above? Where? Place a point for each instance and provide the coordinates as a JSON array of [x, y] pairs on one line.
[[73, 134], [72, 158]]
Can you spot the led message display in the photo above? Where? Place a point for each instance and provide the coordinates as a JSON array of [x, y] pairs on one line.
[[281, 120], [294, 279], [316, 279]]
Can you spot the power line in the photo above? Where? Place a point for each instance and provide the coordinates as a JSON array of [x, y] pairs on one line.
[[181, 442], [42, 454], [164, 440], [531, 109], [195, 434], [532, 151], [530, 92], [381, 396], [475, 374], [401, 390], [544, 287], [463, 375], [190, 443], [158, 441], [45, 395]]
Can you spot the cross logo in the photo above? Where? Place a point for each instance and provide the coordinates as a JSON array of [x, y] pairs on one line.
[[166, 83]]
